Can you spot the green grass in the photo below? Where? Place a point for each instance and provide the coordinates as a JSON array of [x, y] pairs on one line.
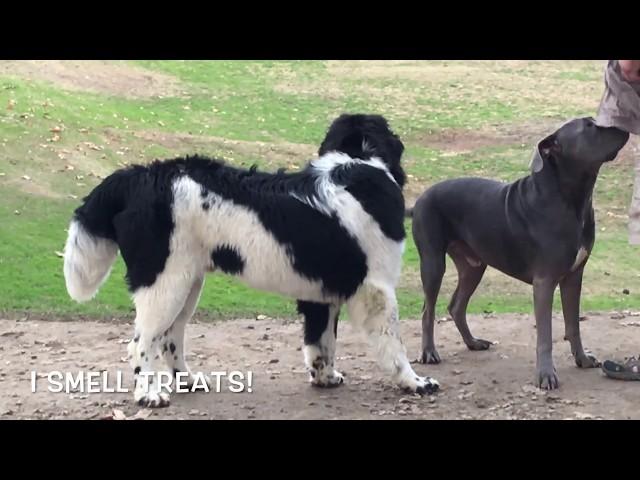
[[275, 114]]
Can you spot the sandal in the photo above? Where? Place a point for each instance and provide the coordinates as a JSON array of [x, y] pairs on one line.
[[629, 370]]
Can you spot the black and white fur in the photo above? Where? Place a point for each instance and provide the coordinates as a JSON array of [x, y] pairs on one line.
[[329, 235]]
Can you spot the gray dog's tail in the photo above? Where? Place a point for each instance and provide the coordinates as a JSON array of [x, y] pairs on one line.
[[408, 213]]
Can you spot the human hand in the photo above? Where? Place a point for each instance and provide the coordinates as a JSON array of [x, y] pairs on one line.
[[630, 70]]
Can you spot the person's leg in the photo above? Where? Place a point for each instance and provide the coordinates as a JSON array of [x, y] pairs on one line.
[[634, 210]]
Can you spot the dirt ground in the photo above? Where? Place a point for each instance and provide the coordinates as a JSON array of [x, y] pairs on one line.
[[495, 384], [105, 77]]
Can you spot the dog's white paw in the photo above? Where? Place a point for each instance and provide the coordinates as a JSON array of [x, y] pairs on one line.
[[420, 385], [326, 378], [152, 399]]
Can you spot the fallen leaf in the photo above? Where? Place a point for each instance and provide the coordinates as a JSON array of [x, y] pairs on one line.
[[92, 146], [530, 389], [118, 415], [11, 334], [26, 177], [630, 324], [142, 414], [56, 129]]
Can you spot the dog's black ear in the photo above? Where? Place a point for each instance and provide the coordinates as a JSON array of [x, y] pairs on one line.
[[545, 149], [353, 144]]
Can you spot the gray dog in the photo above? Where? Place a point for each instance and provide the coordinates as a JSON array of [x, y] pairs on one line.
[[539, 229]]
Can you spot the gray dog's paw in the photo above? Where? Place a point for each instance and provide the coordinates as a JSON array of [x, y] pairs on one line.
[[548, 379], [479, 344], [587, 361], [430, 356]]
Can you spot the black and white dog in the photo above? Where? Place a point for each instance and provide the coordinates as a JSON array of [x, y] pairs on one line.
[[329, 235]]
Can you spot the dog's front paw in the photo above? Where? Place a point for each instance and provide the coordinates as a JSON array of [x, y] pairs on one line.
[[325, 378], [152, 399], [547, 378], [420, 385], [430, 355], [477, 344], [586, 360], [426, 386]]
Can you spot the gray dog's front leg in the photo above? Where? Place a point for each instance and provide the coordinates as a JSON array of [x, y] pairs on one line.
[[570, 289], [547, 377]]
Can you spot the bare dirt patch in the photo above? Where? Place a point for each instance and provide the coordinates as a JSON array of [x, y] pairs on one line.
[[104, 77], [485, 385], [526, 84], [464, 140]]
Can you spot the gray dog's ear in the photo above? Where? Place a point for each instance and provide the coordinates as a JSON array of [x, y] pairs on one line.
[[544, 150]]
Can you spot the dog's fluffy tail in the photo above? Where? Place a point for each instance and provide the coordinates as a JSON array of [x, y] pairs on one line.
[[87, 262], [91, 247]]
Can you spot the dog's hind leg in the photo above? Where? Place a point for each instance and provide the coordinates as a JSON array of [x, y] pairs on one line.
[[432, 268], [157, 307], [570, 289], [320, 331], [431, 242], [374, 309], [470, 272], [173, 344]]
